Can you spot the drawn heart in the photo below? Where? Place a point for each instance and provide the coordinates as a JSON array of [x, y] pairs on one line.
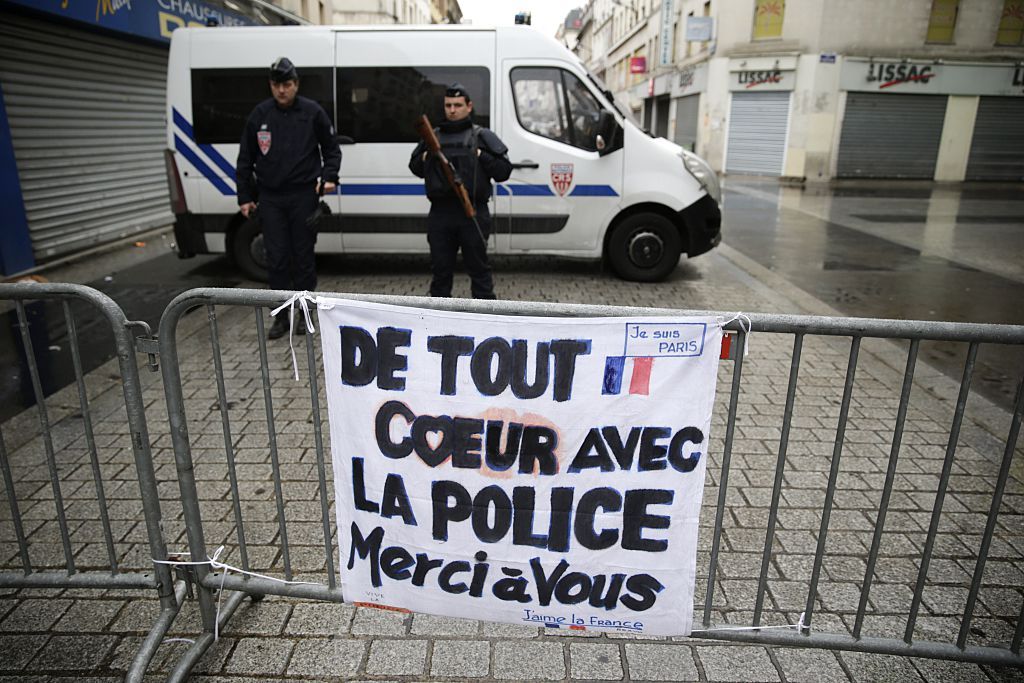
[[430, 436]]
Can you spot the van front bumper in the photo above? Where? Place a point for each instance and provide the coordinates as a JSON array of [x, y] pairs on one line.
[[702, 222]]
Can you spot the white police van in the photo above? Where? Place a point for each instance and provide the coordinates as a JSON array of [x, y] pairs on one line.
[[587, 182]]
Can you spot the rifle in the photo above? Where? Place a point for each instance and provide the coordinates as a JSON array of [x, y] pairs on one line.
[[426, 132]]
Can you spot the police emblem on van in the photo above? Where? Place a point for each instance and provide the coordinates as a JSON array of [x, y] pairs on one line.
[[561, 178], [263, 138]]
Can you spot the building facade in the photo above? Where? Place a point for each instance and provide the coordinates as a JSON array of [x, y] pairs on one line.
[[568, 31], [313, 11], [822, 89], [386, 12]]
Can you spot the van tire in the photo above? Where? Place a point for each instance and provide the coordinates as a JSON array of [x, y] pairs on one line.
[[248, 252], [644, 247]]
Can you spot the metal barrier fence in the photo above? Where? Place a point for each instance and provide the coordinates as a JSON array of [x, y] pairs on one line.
[[906, 560], [70, 463]]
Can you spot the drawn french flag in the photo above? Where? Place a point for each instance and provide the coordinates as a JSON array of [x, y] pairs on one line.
[[640, 375]]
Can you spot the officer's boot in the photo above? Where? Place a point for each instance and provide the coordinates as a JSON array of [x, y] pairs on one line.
[[280, 326]]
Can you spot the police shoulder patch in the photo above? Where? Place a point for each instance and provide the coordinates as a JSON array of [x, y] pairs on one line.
[[263, 138]]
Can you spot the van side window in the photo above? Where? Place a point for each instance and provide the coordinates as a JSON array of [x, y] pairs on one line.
[[222, 99], [540, 102], [584, 112], [382, 103], [555, 104]]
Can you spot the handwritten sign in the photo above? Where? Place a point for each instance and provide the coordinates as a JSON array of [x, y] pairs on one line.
[[541, 471], [665, 339]]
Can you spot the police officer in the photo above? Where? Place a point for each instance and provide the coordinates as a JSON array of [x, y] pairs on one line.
[[479, 157], [286, 151]]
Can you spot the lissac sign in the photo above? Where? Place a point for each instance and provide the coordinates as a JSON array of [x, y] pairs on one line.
[[889, 75], [762, 79], [930, 78]]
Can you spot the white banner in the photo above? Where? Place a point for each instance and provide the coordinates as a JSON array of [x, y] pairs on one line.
[[544, 471]]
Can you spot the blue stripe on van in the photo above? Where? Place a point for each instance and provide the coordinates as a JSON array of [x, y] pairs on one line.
[[387, 189], [223, 164], [525, 191], [545, 191], [194, 159], [593, 191]]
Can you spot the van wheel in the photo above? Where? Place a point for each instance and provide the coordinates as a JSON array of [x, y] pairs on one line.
[[644, 248], [248, 251]]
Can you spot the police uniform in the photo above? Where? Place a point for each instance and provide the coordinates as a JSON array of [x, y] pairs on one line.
[[448, 228], [279, 161]]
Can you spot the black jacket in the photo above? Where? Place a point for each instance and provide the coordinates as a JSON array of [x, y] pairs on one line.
[[294, 139], [459, 142]]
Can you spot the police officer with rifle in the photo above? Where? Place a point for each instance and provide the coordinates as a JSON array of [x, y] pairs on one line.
[[458, 160], [287, 159]]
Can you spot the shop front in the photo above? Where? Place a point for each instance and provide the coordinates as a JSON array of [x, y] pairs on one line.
[[896, 112], [84, 93], [687, 86], [759, 113]]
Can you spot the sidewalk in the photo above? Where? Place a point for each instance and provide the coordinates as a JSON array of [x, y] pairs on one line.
[[48, 634]]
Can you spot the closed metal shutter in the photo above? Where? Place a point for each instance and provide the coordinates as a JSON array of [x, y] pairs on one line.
[[890, 136], [997, 148], [661, 117], [87, 123], [687, 113], [757, 133]]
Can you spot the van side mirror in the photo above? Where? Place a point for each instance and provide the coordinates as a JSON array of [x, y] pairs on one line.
[[343, 140], [604, 140]]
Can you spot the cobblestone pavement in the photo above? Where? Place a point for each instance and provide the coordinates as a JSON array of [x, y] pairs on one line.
[[91, 635]]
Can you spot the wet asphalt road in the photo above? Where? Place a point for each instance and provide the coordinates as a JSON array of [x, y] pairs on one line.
[[897, 251]]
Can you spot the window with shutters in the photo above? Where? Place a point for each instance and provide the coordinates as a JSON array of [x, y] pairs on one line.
[[1011, 23], [768, 15], [942, 22]]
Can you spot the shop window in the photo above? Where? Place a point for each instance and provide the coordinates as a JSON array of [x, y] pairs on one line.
[[222, 99], [382, 103], [942, 22], [768, 15], [554, 104], [1011, 23]]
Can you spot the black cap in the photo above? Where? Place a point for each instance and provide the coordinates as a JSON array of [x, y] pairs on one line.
[[283, 70], [457, 90]]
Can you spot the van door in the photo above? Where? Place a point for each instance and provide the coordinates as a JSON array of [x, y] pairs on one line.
[[562, 192], [385, 81]]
